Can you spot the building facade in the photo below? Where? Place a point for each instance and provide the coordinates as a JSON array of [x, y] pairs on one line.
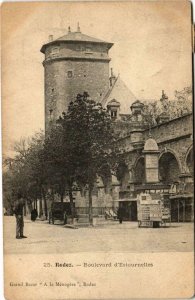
[[156, 160], [73, 64]]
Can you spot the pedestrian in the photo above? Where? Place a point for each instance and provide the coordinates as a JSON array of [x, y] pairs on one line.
[[18, 211], [120, 214], [34, 214]]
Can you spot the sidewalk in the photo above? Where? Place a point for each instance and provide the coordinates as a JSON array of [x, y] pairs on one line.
[[114, 237]]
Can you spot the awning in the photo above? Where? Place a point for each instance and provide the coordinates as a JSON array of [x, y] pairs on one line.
[[152, 186], [185, 196], [126, 200]]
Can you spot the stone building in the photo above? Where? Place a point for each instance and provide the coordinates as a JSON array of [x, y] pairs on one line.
[[73, 64], [156, 160]]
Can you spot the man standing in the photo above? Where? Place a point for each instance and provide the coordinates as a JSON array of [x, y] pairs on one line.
[[18, 211]]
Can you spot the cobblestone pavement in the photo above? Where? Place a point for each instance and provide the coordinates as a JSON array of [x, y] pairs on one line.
[[127, 237]]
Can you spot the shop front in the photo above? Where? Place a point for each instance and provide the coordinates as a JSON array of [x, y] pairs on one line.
[[182, 208], [129, 209]]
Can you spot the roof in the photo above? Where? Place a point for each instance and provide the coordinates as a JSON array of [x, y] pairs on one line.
[[76, 37], [114, 103], [136, 104], [121, 93]]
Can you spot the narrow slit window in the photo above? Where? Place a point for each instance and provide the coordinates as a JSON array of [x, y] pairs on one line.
[[88, 50], [55, 51], [70, 74]]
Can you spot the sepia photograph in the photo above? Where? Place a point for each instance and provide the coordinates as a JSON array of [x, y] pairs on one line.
[[98, 157]]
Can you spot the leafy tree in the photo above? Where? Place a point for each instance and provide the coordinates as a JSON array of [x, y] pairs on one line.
[[151, 112], [183, 101], [60, 162], [181, 105], [90, 141], [36, 170], [25, 173]]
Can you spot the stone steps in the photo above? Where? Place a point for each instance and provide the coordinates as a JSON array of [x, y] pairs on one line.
[[83, 221]]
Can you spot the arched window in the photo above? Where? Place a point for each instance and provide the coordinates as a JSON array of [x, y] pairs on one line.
[[139, 171], [190, 162], [168, 168]]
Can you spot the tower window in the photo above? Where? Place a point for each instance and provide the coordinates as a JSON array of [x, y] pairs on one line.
[[88, 50], [113, 114], [51, 113], [69, 74], [52, 90], [55, 51]]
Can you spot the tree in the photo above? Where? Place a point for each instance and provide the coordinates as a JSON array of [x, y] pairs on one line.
[[184, 101], [25, 172], [60, 162], [90, 142], [151, 112], [36, 170], [181, 105]]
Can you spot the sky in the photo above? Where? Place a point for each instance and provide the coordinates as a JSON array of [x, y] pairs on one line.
[[151, 52]]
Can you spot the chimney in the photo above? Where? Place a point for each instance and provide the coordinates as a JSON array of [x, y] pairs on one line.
[[50, 38], [164, 96], [112, 78], [78, 27]]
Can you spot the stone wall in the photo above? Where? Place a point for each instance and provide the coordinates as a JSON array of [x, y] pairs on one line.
[[78, 50], [60, 89], [171, 130], [174, 138], [70, 69]]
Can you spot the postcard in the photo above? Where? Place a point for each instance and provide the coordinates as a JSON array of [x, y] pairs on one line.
[[98, 158]]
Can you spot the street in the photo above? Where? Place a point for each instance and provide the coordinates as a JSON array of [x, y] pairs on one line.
[[44, 238]]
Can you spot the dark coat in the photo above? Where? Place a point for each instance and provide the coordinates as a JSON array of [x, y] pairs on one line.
[[121, 212], [18, 208], [34, 214]]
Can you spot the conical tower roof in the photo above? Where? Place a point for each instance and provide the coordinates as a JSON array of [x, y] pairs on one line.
[[76, 37]]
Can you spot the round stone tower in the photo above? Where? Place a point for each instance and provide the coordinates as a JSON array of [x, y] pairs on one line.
[[73, 64]]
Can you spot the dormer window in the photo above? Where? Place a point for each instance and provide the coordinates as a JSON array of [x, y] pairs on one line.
[[113, 114], [113, 107], [137, 107], [137, 111]]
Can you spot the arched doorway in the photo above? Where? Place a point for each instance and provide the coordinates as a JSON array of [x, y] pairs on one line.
[[169, 172], [125, 199], [123, 176], [190, 162], [168, 168], [139, 171], [189, 186]]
